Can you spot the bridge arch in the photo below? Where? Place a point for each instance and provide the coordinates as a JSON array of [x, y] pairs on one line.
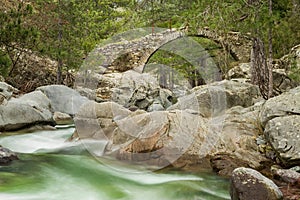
[[122, 54]]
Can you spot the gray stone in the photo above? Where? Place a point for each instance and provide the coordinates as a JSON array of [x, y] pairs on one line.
[[62, 118], [97, 120], [6, 92], [173, 137], [287, 103], [214, 99], [131, 89], [281, 80], [7, 156], [63, 98], [283, 133], [235, 142], [249, 184], [287, 175], [156, 106], [29, 109], [240, 71]]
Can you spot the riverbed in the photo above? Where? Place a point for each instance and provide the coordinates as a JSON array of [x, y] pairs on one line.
[[50, 168]]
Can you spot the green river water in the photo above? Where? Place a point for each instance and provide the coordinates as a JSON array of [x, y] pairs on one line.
[[50, 168]]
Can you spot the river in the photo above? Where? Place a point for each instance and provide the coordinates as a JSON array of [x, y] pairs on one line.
[[52, 169]]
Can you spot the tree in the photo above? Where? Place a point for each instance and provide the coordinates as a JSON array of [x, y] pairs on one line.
[[16, 36]]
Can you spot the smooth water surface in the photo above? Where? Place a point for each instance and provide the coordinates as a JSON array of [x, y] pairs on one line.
[[51, 168]]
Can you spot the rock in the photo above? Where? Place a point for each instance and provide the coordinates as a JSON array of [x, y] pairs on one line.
[[283, 134], [281, 80], [128, 89], [155, 106], [174, 137], [240, 71], [62, 118], [291, 62], [29, 109], [287, 103], [248, 184], [214, 99], [97, 120], [235, 144], [6, 92], [63, 99], [158, 138], [287, 175], [7, 156]]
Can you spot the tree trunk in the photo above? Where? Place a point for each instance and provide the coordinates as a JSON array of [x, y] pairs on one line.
[[59, 60], [270, 63], [259, 68]]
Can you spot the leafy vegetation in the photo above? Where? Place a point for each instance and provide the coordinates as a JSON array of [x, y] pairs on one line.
[[67, 30]]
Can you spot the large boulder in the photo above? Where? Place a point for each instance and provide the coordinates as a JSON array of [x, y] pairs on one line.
[[29, 109], [281, 121], [158, 137], [283, 135], [249, 184], [63, 99], [130, 89], [236, 141], [97, 120], [285, 104], [214, 99], [177, 137]]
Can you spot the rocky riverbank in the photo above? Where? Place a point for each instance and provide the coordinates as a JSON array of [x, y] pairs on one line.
[[221, 126], [230, 126]]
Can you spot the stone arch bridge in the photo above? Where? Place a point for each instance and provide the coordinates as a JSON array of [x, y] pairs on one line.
[[121, 54]]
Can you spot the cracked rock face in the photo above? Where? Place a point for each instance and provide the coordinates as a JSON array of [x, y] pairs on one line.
[[280, 117], [283, 135]]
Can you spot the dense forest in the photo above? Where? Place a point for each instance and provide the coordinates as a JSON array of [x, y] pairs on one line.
[[67, 30]]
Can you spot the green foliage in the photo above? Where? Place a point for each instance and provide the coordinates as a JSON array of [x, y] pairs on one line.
[[36, 24], [5, 64], [16, 35]]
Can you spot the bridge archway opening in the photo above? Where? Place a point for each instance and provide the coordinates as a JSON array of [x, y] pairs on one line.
[[199, 60]]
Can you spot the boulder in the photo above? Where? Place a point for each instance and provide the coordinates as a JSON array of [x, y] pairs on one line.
[[236, 145], [158, 138], [286, 175], [240, 71], [177, 137], [283, 134], [287, 103], [63, 99], [281, 80], [127, 89], [6, 92], [291, 62], [214, 99], [29, 109], [62, 118], [97, 120], [7, 156], [249, 184]]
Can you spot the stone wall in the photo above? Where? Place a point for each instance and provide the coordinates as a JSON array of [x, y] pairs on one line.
[[123, 55]]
